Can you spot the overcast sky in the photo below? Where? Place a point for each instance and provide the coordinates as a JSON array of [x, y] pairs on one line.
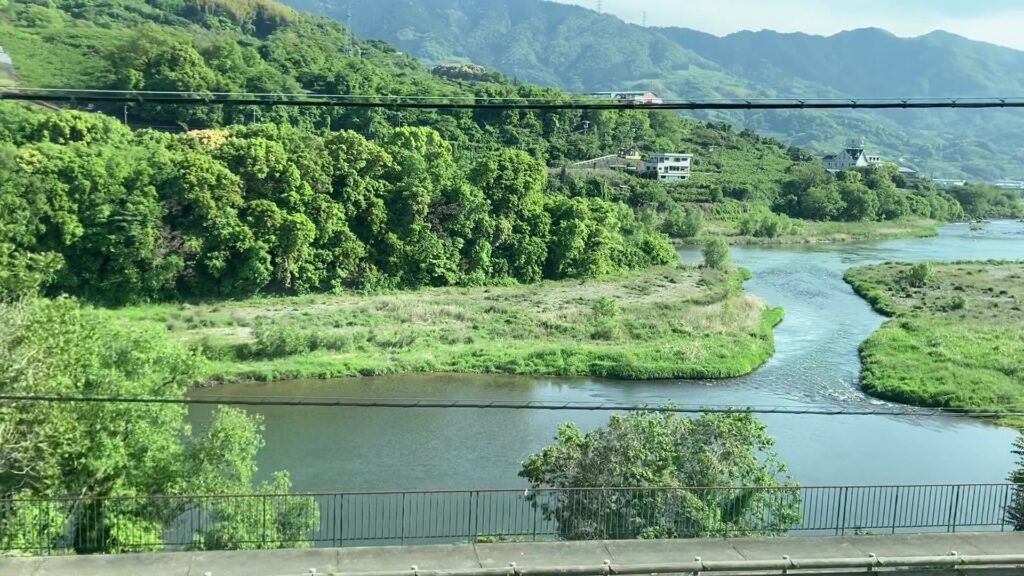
[[996, 21]]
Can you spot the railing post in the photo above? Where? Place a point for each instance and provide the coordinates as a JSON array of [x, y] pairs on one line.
[[534, 509], [954, 509], [895, 509], [341, 521], [263, 507], [402, 520], [474, 513], [1006, 508], [841, 513]]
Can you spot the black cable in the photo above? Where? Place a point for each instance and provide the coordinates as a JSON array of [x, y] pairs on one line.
[[472, 103], [551, 406]]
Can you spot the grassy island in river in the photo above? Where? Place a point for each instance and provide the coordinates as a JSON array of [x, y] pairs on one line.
[[956, 339], [663, 323]]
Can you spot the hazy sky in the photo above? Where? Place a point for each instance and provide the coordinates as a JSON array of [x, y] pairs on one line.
[[996, 21]]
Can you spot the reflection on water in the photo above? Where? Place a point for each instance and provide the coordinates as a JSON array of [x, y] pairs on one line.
[[816, 364]]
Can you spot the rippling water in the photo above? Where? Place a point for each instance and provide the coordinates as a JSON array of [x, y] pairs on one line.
[[816, 364]]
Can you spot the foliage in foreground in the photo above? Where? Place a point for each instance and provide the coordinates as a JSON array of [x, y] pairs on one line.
[[675, 457], [663, 323], [112, 455], [957, 336], [1015, 512]]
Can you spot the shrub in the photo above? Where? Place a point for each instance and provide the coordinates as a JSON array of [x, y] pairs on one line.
[[921, 274], [605, 308], [279, 341], [716, 253], [683, 223], [766, 225], [957, 303]]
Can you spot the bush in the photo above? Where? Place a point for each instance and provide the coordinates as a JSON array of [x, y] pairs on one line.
[[683, 223], [716, 253], [957, 303], [767, 225], [277, 341], [920, 274]]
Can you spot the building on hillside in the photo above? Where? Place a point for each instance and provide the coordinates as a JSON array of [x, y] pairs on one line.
[[641, 97], [908, 172], [949, 182], [668, 167], [1009, 184], [853, 156]]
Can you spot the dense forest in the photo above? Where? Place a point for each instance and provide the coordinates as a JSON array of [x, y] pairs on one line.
[[220, 201]]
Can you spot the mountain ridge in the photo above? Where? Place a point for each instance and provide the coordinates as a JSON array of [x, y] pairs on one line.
[[581, 50]]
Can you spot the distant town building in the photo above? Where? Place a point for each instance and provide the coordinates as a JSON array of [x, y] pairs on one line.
[[1009, 184], [643, 97], [856, 156], [853, 156], [668, 167], [949, 182], [907, 172]]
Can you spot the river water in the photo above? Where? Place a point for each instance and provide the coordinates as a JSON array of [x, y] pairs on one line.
[[816, 364]]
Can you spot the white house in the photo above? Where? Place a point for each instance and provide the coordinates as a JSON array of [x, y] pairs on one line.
[[635, 97], [668, 167], [853, 156]]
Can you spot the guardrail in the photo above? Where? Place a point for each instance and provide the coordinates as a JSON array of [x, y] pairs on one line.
[[869, 565], [85, 525]]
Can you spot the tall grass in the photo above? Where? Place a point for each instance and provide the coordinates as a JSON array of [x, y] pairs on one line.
[[666, 323], [955, 340]]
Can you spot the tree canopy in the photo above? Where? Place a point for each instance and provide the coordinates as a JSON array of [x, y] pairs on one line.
[[114, 216], [678, 459], [114, 455]]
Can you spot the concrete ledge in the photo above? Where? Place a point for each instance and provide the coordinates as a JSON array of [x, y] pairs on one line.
[[525, 555]]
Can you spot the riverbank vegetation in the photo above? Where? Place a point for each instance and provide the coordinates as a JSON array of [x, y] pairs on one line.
[[97, 451], [663, 323], [709, 463], [956, 339]]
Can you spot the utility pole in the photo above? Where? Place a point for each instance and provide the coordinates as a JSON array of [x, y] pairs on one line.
[[351, 33], [125, 114], [600, 5]]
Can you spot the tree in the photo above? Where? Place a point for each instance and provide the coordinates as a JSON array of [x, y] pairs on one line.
[[822, 202], [859, 202], [513, 182], [679, 456], [716, 253], [1015, 512], [97, 451], [683, 222], [921, 274]]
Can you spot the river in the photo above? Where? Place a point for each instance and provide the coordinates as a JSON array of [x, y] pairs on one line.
[[816, 364]]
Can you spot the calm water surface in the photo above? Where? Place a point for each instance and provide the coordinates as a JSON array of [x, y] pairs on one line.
[[816, 364]]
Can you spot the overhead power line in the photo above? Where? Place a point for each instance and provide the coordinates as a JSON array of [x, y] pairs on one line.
[[550, 406], [473, 103]]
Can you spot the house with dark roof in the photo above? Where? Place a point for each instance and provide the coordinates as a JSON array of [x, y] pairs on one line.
[[853, 156]]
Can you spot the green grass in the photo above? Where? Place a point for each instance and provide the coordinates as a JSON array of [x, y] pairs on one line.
[[665, 323], [77, 62], [956, 342], [831, 232]]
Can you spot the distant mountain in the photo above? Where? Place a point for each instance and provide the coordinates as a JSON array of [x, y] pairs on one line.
[[582, 50]]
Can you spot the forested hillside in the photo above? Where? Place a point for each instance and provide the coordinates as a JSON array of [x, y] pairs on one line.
[[220, 201], [581, 50]]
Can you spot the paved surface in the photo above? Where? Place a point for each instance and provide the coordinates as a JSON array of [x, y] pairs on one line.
[[463, 556]]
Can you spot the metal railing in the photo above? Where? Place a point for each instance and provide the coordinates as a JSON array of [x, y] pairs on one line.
[[83, 525]]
